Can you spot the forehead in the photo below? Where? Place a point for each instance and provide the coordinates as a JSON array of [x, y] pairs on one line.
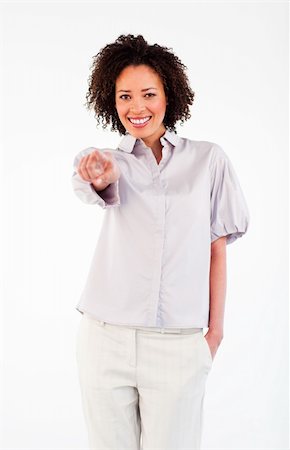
[[138, 75]]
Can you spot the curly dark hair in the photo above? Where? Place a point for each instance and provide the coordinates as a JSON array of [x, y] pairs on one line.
[[134, 50]]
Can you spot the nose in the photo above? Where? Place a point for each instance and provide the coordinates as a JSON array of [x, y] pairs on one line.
[[137, 107]]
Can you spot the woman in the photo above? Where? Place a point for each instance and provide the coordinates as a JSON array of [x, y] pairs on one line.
[[158, 274]]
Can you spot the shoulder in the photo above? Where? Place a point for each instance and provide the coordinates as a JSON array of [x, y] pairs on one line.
[[211, 149]]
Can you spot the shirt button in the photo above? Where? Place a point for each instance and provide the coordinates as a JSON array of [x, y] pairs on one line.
[[162, 330]]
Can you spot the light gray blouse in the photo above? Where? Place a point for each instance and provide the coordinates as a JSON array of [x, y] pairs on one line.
[[152, 259]]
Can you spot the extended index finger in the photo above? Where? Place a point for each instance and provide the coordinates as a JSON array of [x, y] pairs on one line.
[[101, 156]]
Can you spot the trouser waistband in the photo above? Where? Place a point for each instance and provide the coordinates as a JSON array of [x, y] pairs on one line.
[[149, 329]]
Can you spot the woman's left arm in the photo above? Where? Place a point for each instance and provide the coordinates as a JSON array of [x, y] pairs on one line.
[[218, 282]]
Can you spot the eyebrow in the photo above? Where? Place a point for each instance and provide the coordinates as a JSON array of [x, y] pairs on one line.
[[147, 89]]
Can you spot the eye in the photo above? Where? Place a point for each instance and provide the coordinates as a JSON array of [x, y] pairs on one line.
[[126, 95]]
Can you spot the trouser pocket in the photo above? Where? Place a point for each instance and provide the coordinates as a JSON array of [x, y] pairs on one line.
[[207, 349]]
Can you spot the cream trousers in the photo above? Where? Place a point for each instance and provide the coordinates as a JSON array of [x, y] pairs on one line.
[[142, 388]]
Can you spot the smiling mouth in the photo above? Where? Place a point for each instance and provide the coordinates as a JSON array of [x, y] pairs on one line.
[[139, 121]]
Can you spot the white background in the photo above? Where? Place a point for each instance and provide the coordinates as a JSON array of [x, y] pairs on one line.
[[237, 59]]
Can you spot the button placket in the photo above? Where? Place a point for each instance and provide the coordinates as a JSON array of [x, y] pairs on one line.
[[154, 307]]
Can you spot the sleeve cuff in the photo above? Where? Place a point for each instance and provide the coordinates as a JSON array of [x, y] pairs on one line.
[[232, 233], [107, 198], [109, 195]]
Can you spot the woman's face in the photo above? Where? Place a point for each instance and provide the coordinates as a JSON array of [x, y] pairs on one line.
[[139, 93]]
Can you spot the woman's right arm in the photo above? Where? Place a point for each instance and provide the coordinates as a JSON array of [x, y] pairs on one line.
[[95, 179]]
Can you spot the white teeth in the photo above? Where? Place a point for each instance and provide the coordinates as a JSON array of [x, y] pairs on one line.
[[139, 120]]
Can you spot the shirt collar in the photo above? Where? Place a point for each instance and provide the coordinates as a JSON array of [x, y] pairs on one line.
[[128, 142]]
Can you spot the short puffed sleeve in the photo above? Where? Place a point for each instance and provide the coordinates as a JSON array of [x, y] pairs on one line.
[[229, 210]]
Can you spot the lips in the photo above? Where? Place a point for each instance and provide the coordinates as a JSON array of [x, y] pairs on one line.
[[139, 118], [140, 124]]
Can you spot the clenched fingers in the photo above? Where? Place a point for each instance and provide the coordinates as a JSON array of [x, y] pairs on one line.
[[92, 165]]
